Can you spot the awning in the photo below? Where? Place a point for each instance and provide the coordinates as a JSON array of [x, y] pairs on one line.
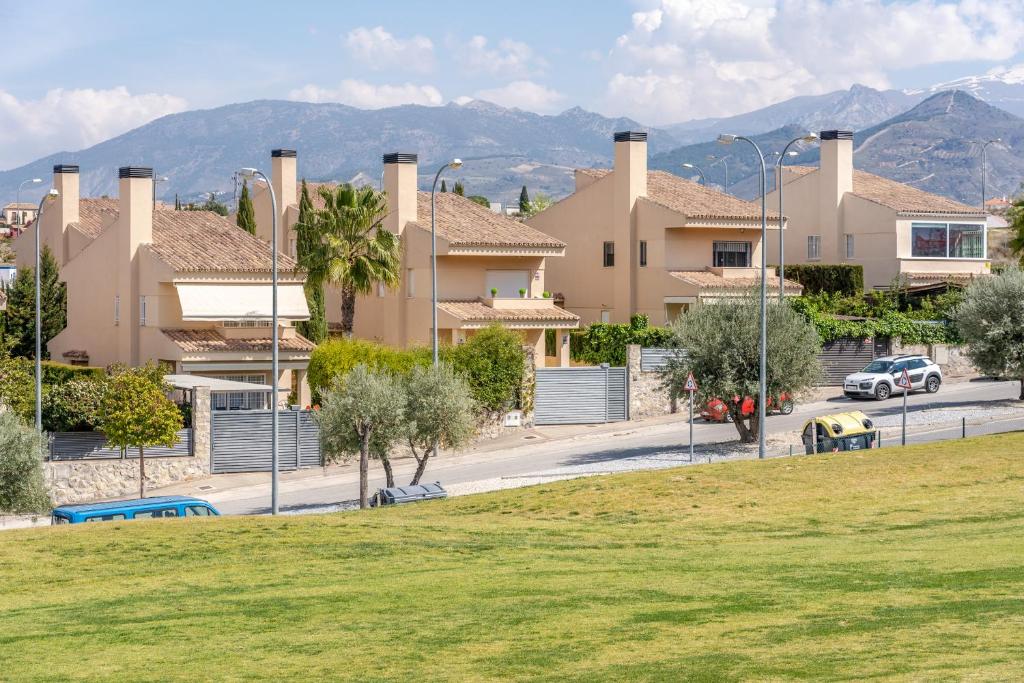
[[240, 302], [214, 383]]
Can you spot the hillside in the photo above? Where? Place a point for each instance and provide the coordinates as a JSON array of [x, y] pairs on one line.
[[899, 563], [199, 150]]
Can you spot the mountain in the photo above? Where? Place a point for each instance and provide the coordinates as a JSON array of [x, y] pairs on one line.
[[853, 109], [1003, 88], [198, 151]]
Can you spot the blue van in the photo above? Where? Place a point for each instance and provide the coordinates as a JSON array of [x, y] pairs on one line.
[[140, 508]]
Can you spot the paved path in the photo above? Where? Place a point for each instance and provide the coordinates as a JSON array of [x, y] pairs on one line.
[[660, 442]]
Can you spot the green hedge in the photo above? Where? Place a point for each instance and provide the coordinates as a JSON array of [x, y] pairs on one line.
[[845, 279], [606, 342], [59, 373], [336, 357], [890, 324]]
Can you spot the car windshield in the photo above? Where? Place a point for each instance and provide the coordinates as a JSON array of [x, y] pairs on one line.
[[878, 366]]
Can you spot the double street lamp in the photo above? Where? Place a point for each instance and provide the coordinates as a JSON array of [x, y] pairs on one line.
[[453, 164], [810, 137], [725, 164], [695, 167]]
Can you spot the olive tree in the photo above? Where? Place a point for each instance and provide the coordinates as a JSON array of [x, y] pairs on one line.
[[22, 488], [722, 345], [991, 322], [440, 413], [363, 413]]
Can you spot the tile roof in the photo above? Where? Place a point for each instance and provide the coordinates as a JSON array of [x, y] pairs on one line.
[[476, 311], [692, 199], [705, 279], [202, 241], [206, 340], [465, 223], [94, 214], [24, 205]]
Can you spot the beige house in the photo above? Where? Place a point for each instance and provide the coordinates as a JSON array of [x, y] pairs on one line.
[[185, 288], [478, 252], [840, 215], [650, 242], [17, 216]]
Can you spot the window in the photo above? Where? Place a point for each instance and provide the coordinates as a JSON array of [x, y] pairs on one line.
[[104, 518], [197, 511], [609, 254], [947, 240], [241, 400], [156, 514], [117, 310], [849, 246], [606, 316], [246, 323], [814, 247], [643, 253], [293, 248], [142, 311], [731, 254], [410, 283]]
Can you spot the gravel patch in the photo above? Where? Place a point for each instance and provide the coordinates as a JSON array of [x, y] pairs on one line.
[[975, 413]]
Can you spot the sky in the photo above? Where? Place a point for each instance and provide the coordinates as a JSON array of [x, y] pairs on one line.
[[84, 71]]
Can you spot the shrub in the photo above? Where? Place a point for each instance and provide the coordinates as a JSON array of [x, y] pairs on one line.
[[606, 342], [890, 324], [492, 362], [59, 373], [73, 406], [22, 488], [17, 387], [845, 279], [337, 357]]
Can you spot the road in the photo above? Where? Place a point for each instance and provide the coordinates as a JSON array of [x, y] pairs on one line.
[[633, 447]]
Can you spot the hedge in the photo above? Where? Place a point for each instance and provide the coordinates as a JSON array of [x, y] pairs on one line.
[[59, 373], [891, 324], [845, 279], [336, 357], [606, 342]]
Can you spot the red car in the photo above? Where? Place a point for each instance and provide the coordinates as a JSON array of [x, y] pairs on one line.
[[715, 410]]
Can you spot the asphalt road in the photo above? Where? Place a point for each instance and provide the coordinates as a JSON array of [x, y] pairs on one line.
[[634, 447]]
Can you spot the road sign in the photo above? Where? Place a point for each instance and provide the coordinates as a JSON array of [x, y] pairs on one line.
[[691, 384], [904, 380]]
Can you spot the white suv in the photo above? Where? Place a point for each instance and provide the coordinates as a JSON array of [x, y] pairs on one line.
[[878, 379]]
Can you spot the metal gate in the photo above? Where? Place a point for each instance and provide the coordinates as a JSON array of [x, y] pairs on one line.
[[846, 356], [240, 440], [580, 396]]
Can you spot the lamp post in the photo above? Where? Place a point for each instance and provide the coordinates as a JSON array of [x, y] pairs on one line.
[[160, 179], [721, 160], [763, 365], [274, 465], [453, 164], [39, 319], [30, 181], [984, 168], [695, 167], [810, 137]]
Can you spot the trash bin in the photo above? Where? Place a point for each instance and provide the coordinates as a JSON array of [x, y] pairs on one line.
[[398, 495], [851, 431]]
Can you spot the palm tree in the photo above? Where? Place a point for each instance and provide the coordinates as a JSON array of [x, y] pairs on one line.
[[351, 249]]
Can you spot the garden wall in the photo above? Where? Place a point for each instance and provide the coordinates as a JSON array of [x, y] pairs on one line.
[[952, 359], [647, 396]]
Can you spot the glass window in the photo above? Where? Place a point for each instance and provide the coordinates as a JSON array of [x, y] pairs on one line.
[[917, 364], [609, 254], [410, 283], [606, 316], [966, 240], [731, 254], [643, 253], [105, 518], [928, 240], [814, 247], [849, 246], [60, 519], [878, 366], [156, 514], [197, 511]]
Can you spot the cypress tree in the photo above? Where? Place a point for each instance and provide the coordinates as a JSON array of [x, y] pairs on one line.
[[314, 329], [20, 316], [524, 202], [444, 187], [246, 217], [177, 202], [459, 189]]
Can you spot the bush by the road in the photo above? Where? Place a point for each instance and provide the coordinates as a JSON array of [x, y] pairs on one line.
[[606, 342], [22, 489], [834, 278]]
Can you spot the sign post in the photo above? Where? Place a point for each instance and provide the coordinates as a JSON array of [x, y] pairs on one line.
[[691, 388], [904, 382]]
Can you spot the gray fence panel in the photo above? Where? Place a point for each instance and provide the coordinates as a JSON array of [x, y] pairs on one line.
[[241, 441], [93, 446], [844, 357], [654, 359], [580, 396]]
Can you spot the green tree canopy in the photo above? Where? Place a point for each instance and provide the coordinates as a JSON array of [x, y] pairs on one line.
[[481, 200], [440, 413], [444, 185], [314, 329], [492, 361], [246, 216], [991, 321], [459, 188], [211, 204], [20, 316], [540, 202], [524, 201], [22, 487]]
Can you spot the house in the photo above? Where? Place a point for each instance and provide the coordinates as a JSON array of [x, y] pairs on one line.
[[650, 242], [837, 214], [185, 288], [478, 252], [998, 205], [16, 216]]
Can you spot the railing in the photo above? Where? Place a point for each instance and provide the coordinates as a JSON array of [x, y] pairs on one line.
[[93, 446]]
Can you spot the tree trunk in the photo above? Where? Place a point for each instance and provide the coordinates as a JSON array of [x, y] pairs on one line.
[[1021, 389], [421, 467], [364, 471], [389, 474], [142, 474], [348, 309], [736, 410]]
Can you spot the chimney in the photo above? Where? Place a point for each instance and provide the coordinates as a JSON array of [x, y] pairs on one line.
[[65, 181], [835, 178], [284, 177], [629, 183], [400, 184], [134, 228]]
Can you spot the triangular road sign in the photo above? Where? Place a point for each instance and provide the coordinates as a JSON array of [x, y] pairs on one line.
[[904, 380], [691, 384]]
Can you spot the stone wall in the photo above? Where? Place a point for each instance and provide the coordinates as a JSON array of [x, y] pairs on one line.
[[952, 359], [647, 397], [77, 481]]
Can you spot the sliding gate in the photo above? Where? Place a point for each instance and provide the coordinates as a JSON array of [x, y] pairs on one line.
[[240, 440], [580, 396]]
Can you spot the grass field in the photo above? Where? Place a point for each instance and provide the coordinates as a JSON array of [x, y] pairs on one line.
[[901, 564]]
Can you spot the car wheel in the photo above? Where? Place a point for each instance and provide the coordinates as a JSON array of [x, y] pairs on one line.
[[882, 391], [932, 384], [786, 408], [729, 418]]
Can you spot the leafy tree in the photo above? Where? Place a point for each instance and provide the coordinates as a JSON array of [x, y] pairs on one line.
[[349, 246], [444, 185], [211, 204], [540, 202], [314, 329], [246, 216], [1015, 217], [177, 202], [607, 342], [991, 321], [22, 487], [363, 413], [722, 343], [459, 188], [135, 412], [73, 406], [481, 200], [17, 387], [524, 201], [20, 316], [492, 362], [335, 358], [440, 413]]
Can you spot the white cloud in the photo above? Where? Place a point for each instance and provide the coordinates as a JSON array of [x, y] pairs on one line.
[[524, 95], [685, 59], [73, 119], [379, 50], [368, 95], [508, 59]]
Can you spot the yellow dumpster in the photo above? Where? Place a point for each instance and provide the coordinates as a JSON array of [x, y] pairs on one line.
[[851, 431]]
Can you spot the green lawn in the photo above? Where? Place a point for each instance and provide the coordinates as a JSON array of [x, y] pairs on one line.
[[901, 564]]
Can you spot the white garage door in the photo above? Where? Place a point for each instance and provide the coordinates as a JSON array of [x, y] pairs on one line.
[[508, 282]]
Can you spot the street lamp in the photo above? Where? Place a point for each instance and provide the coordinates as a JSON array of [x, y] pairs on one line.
[[694, 167], [30, 181], [984, 168], [810, 137], [39, 319], [763, 370], [453, 164], [161, 179], [721, 160], [255, 173]]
